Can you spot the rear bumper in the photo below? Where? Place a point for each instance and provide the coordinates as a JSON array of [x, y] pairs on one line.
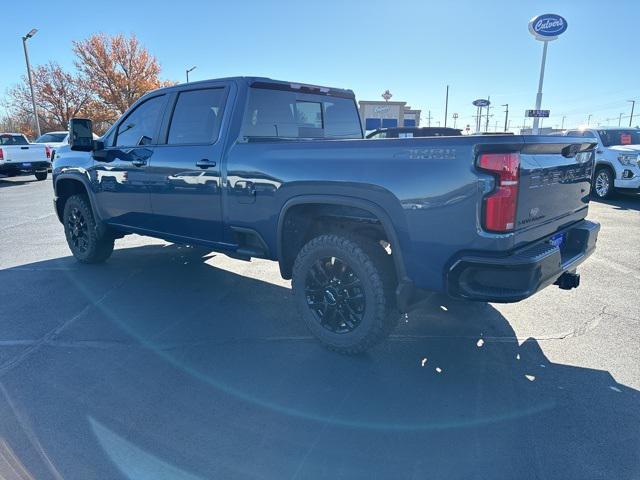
[[526, 271], [25, 167]]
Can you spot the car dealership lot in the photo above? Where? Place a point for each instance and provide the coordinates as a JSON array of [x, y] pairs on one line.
[[180, 367]]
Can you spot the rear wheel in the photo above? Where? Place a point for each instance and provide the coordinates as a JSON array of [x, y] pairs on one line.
[[87, 243], [344, 291], [41, 175], [602, 182]]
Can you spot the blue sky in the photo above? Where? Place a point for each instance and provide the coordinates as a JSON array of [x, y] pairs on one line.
[[412, 48]]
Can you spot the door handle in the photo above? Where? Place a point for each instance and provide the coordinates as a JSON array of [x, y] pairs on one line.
[[204, 163], [139, 162]]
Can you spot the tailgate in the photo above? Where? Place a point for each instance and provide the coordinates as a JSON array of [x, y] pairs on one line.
[[24, 153], [555, 179]]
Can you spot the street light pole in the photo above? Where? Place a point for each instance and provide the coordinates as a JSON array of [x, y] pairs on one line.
[[562, 125], [619, 119], [589, 119], [190, 70], [26, 57], [506, 115], [633, 104]]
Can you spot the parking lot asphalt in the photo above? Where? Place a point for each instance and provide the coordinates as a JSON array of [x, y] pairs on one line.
[[163, 364]]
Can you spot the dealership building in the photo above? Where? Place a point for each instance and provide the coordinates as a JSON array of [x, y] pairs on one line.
[[385, 114]]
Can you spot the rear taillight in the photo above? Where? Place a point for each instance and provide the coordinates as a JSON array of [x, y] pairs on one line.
[[499, 212], [1, 154], [47, 150]]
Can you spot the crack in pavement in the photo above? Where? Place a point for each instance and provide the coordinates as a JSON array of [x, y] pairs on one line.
[[30, 220], [51, 334]]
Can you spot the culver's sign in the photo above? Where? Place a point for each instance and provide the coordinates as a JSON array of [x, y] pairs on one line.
[[547, 27], [382, 109]]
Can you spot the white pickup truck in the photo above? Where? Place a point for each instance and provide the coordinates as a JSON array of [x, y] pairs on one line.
[[617, 163], [19, 157]]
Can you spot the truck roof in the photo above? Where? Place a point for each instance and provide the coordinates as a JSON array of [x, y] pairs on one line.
[[265, 80]]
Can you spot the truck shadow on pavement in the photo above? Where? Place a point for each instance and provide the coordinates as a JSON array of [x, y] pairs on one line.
[[13, 182], [157, 365], [622, 201]]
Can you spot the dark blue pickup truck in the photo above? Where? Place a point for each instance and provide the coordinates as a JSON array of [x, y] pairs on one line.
[[255, 167]]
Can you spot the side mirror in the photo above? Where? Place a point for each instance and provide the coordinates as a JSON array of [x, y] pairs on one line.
[[81, 134]]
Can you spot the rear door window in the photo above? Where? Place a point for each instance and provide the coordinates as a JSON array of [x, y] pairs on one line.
[[197, 116]]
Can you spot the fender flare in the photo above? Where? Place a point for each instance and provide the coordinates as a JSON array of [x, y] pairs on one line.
[[87, 186], [373, 208]]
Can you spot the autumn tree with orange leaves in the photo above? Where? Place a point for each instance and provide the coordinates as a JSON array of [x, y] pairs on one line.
[[112, 72], [60, 96]]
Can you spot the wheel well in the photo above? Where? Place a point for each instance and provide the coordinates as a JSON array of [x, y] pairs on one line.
[[602, 166], [65, 188], [304, 222]]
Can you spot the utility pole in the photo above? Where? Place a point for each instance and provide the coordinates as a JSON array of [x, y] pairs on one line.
[[446, 107], [506, 116], [589, 120], [633, 104], [619, 119], [429, 119], [455, 118], [26, 57], [190, 70], [562, 125]]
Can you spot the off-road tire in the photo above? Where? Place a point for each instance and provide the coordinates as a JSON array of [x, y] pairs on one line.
[[99, 243], [374, 267]]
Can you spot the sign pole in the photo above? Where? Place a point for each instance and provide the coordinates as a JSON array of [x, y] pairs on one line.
[[446, 107], [536, 120]]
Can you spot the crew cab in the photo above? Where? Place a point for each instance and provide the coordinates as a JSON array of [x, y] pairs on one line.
[[19, 157], [617, 161], [255, 167]]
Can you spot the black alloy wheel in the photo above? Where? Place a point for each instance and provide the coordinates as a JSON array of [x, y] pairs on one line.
[[335, 295]]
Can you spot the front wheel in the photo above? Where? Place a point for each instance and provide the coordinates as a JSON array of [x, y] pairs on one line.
[[603, 183], [41, 175], [87, 243], [344, 290]]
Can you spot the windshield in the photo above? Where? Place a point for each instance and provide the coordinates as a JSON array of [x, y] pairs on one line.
[[51, 138], [9, 139], [627, 136]]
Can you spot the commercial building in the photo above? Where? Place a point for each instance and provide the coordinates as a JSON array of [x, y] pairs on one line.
[[386, 114]]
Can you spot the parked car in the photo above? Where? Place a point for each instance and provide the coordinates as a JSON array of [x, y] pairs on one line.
[[410, 132], [500, 217], [617, 163], [18, 157], [54, 140]]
